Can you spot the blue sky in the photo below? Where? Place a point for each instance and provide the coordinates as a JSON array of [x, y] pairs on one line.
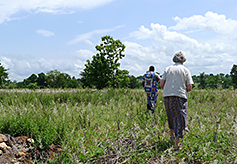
[[43, 35]]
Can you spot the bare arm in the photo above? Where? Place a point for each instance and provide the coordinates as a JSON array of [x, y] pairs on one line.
[[162, 83], [189, 87]]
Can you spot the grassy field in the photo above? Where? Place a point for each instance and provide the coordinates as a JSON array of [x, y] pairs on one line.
[[113, 126]]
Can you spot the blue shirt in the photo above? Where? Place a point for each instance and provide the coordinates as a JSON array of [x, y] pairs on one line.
[[150, 80]]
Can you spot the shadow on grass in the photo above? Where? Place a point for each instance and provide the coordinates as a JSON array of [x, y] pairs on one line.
[[163, 145]]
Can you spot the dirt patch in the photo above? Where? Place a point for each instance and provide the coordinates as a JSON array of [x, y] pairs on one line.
[[20, 150]]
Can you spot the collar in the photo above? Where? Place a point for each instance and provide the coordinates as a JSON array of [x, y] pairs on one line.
[[178, 64]]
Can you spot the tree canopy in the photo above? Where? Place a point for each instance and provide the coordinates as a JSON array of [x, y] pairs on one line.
[[3, 74], [103, 70], [233, 74]]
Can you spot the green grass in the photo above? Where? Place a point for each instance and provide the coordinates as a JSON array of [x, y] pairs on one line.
[[114, 126]]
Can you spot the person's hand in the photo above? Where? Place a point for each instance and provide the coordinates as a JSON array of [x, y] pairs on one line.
[[162, 83], [189, 87]]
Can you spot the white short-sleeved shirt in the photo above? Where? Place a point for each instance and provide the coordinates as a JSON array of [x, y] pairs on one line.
[[176, 77]]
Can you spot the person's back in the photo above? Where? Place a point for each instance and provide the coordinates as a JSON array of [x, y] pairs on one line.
[[150, 83], [177, 79], [176, 82]]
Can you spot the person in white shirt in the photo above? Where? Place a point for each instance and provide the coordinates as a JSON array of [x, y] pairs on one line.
[[176, 82]]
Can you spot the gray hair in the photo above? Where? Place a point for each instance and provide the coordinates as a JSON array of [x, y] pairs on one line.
[[179, 57]]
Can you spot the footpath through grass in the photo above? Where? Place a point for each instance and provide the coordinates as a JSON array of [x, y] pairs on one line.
[[112, 126]]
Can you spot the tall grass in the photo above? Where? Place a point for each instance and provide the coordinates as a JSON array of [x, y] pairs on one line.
[[112, 126]]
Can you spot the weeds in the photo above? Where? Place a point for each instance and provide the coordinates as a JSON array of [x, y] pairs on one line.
[[112, 126]]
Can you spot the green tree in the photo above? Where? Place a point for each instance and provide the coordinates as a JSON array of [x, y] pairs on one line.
[[202, 81], [12, 85], [3, 75], [56, 79], [123, 79], [85, 80], [227, 82], [134, 82], [33, 86], [73, 83], [42, 80], [33, 78], [63, 80], [233, 74], [213, 81], [103, 71], [29, 80], [52, 78]]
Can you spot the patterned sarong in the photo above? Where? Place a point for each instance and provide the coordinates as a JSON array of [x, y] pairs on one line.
[[176, 112], [151, 100]]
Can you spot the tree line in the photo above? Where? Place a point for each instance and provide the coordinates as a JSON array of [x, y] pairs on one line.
[[103, 72]]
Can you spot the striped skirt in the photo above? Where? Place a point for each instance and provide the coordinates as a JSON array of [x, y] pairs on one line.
[[151, 100], [176, 112]]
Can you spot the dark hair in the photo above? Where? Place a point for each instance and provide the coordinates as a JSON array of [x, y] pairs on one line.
[[151, 68]]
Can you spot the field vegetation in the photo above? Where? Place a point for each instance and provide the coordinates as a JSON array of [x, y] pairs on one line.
[[113, 125]]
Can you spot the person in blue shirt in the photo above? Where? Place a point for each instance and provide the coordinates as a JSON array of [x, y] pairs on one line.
[[150, 82]]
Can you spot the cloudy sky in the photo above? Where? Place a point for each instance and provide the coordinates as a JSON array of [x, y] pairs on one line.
[[43, 35]]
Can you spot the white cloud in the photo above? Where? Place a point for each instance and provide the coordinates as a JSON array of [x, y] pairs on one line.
[[89, 43], [81, 37], [213, 56], [10, 7], [138, 58], [83, 55], [45, 32], [164, 37], [6, 62], [45, 64], [87, 36], [22, 66], [209, 22]]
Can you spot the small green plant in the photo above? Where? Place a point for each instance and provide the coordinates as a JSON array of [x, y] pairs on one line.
[[113, 125]]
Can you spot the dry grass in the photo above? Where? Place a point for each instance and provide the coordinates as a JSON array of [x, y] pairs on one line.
[[113, 126]]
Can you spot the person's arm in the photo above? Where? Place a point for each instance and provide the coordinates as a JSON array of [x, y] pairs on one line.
[[189, 82], [158, 78], [162, 83], [189, 87]]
